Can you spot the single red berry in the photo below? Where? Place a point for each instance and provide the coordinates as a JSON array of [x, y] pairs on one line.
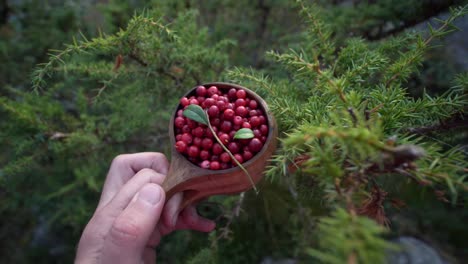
[[240, 102], [264, 130], [226, 126], [247, 155], [192, 124], [179, 122], [184, 101], [205, 164], [209, 102], [180, 113], [212, 90], [208, 134], [194, 101], [234, 147], [178, 137], [239, 158], [246, 125], [241, 110], [214, 158], [217, 149], [201, 100], [198, 132], [213, 111], [214, 165], [254, 121], [253, 104], [224, 138], [230, 106], [253, 113], [187, 138], [255, 145], [215, 122], [197, 142], [201, 91], [241, 93], [236, 127], [263, 139], [215, 97], [238, 120], [207, 143], [257, 133], [262, 119], [193, 151], [224, 166], [221, 105], [186, 129], [205, 154], [181, 146], [224, 157], [232, 93], [228, 114], [232, 133]]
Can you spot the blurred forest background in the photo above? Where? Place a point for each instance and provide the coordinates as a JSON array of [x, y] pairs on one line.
[[370, 102]]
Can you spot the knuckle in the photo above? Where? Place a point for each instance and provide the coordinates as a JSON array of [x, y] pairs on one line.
[[119, 159], [124, 232], [147, 171]]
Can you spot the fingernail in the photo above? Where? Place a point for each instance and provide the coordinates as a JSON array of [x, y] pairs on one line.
[[150, 193]]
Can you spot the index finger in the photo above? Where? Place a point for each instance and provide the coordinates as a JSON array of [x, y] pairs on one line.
[[125, 166]]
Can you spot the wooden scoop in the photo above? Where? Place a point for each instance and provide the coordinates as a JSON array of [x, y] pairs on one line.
[[197, 183]]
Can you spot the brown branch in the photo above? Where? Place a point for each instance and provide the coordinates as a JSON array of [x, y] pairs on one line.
[[456, 122]]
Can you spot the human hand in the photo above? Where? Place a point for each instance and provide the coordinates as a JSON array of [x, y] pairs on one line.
[[132, 215]]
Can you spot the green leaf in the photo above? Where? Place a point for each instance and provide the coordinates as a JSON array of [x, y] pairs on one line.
[[244, 133], [196, 113]]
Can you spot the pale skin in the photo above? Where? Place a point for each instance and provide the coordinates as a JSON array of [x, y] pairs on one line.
[[133, 214]]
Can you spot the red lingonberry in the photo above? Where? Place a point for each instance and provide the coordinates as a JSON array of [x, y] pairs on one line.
[[197, 141], [255, 121], [255, 145], [241, 110], [232, 93], [238, 120], [184, 101], [262, 119], [187, 138], [234, 147], [225, 166], [192, 124], [213, 111], [214, 165], [239, 158], [215, 122], [180, 113], [204, 154], [257, 133], [226, 126], [179, 122], [246, 125], [198, 132], [178, 137], [236, 127], [241, 93], [221, 105], [240, 102], [181, 146], [217, 149], [186, 129], [193, 151], [247, 155], [205, 164], [232, 133], [207, 143], [194, 101], [264, 130], [212, 90], [224, 157], [209, 102], [201, 91], [224, 138], [230, 106], [215, 97], [228, 114], [253, 104]]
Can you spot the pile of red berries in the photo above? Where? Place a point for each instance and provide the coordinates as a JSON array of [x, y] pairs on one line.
[[229, 110]]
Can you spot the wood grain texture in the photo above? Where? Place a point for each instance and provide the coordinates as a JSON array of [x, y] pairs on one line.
[[197, 183]]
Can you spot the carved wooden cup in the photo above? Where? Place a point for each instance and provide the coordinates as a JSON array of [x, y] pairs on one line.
[[197, 183]]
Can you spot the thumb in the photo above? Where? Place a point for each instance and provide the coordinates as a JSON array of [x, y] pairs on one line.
[[131, 230]]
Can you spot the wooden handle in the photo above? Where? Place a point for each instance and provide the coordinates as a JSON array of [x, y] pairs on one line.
[[197, 183]]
